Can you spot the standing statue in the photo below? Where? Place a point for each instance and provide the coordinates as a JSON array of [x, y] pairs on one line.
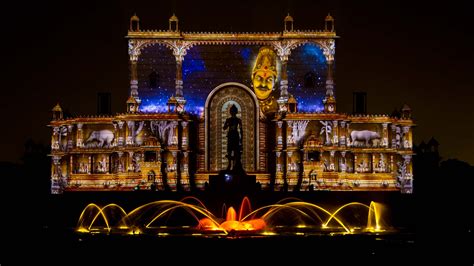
[[234, 139]]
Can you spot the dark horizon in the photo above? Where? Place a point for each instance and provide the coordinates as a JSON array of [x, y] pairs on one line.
[[414, 53]]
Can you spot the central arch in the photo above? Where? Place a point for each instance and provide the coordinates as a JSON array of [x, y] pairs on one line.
[[216, 111]]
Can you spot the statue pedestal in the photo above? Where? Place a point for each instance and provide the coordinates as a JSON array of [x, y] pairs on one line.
[[233, 181]]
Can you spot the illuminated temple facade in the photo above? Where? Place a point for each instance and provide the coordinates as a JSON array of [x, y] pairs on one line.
[[182, 86]]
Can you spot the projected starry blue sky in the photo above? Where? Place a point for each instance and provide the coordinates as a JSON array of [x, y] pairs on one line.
[[206, 67]]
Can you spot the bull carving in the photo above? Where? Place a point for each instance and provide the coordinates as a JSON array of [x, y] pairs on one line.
[[364, 137], [103, 137]]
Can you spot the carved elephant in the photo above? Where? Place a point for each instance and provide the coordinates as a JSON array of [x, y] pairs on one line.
[[364, 135], [102, 136]]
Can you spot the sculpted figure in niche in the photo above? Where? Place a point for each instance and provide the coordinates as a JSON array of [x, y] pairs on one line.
[[234, 139], [264, 77]]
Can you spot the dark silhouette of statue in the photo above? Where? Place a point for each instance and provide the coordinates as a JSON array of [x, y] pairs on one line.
[[234, 140]]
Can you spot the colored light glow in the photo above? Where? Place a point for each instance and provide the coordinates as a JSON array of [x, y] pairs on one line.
[[264, 220]]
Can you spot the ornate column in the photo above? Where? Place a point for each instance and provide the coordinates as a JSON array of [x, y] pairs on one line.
[[392, 165], [394, 134], [354, 163], [385, 135], [129, 161], [329, 51], [116, 135], [90, 165], [56, 175], [283, 51], [108, 164], [331, 161], [335, 133], [173, 141], [55, 139], [373, 163], [134, 51], [184, 136], [79, 136], [407, 182], [70, 144], [121, 134], [289, 134], [131, 129], [179, 51], [342, 134], [185, 173], [173, 178], [348, 135], [279, 134], [406, 138], [289, 161]]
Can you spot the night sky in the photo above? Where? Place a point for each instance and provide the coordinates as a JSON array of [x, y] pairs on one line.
[[405, 52]]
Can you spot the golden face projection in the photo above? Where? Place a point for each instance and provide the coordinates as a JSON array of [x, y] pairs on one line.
[[264, 74]]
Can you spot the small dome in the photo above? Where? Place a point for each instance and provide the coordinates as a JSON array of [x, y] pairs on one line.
[[132, 99], [291, 99], [329, 18], [134, 18], [288, 18], [406, 108], [173, 18], [172, 99], [57, 108]]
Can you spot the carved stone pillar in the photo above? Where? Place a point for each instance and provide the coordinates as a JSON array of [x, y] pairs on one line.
[[335, 133], [173, 177], [392, 165], [133, 77], [283, 100], [348, 135], [55, 139], [185, 173], [373, 163], [342, 134], [79, 136], [179, 51], [90, 165], [56, 175], [70, 143], [394, 134], [279, 134], [331, 161], [131, 129], [184, 136], [289, 134], [289, 161], [278, 163], [354, 163], [385, 135], [406, 138], [121, 133]]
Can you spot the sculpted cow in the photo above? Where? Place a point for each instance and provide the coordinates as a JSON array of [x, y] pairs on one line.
[[103, 137], [365, 136]]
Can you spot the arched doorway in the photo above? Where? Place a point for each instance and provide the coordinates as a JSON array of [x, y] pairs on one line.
[[217, 111]]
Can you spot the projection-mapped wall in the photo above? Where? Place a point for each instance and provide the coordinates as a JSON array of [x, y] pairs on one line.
[[207, 66]]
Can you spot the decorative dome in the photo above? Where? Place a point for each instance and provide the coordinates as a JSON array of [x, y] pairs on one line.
[[134, 17], [329, 18], [132, 99], [173, 18], [57, 108], [288, 18]]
